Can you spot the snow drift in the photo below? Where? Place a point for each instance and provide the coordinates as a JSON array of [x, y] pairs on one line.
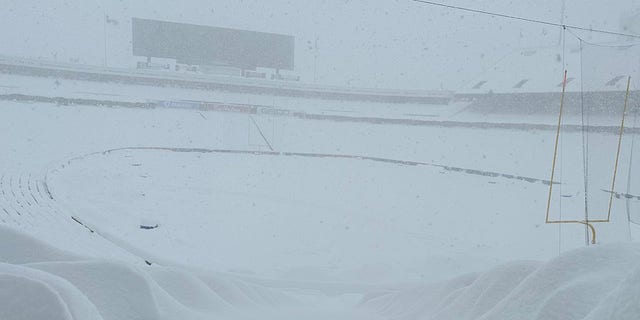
[[594, 283], [600, 282], [40, 282]]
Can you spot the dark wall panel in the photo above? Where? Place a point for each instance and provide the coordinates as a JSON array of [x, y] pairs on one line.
[[203, 45]]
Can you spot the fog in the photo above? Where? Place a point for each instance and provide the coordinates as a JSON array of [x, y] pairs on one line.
[[249, 159], [385, 44]]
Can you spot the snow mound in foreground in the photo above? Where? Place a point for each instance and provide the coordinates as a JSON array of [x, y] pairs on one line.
[[600, 282], [18, 248], [26, 293], [41, 282]]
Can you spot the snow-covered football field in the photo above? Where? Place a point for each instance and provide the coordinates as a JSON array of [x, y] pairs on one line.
[[342, 219]]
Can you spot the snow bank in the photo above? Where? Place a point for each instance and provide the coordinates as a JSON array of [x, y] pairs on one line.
[[41, 282], [189, 290], [26, 293], [24, 298], [622, 303], [117, 290], [594, 283], [18, 248]]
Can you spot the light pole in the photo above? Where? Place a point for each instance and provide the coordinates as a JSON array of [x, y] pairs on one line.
[[562, 12], [315, 62], [106, 21], [104, 29]]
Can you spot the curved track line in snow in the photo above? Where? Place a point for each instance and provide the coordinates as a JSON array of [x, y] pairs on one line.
[[51, 211], [24, 204], [469, 171], [78, 221], [48, 195], [29, 201]]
